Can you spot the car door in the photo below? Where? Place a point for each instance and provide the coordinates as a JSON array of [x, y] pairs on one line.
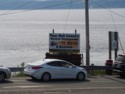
[[67, 70], [54, 68]]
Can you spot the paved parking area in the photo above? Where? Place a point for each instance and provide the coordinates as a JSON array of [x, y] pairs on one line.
[[92, 85]]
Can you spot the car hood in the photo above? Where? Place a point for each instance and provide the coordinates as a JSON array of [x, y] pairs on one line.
[[3, 68], [81, 68]]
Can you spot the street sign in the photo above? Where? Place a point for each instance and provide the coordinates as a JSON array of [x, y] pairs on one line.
[[114, 41], [64, 42]]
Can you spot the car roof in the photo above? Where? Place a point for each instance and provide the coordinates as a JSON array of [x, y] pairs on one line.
[[39, 62], [49, 60]]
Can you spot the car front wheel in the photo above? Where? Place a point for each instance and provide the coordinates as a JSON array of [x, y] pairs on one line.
[[80, 76], [2, 77], [46, 77]]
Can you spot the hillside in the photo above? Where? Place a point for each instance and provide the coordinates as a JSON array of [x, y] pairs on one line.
[[58, 4]]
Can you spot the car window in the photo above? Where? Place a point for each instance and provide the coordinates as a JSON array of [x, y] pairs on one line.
[[65, 64], [54, 63], [121, 58]]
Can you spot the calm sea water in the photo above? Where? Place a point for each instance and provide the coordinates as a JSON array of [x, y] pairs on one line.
[[24, 36]]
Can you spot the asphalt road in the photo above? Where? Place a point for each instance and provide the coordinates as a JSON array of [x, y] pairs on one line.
[[92, 85]]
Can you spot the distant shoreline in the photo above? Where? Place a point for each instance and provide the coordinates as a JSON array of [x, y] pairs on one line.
[[58, 4], [59, 9]]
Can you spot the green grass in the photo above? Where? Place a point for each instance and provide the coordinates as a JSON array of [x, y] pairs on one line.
[[20, 74], [96, 72]]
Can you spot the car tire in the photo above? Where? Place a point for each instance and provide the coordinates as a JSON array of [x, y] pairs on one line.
[[2, 76], [46, 77], [34, 78], [122, 75], [80, 76]]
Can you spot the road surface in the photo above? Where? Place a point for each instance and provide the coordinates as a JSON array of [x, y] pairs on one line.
[[92, 85]]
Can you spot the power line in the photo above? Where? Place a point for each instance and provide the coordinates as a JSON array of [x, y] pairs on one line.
[[106, 8], [111, 15], [2, 4], [67, 15], [121, 44], [113, 20], [18, 7], [37, 8]]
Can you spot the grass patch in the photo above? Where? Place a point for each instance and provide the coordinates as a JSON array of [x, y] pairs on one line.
[[20, 74], [96, 72]]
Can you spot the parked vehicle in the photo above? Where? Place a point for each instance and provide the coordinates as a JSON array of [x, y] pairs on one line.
[[54, 69], [119, 65], [5, 73]]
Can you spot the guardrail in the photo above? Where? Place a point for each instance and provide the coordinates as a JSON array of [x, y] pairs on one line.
[[16, 69], [97, 67], [20, 69]]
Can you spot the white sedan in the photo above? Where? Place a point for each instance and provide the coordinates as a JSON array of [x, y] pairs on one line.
[[54, 69]]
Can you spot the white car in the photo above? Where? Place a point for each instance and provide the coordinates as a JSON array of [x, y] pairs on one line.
[[5, 73], [54, 69]]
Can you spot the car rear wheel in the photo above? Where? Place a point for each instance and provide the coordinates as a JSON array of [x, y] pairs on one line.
[[80, 76], [46, 77], [2, 76]]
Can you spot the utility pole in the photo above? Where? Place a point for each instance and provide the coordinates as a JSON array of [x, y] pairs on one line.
[[110, 45], [87, 32]]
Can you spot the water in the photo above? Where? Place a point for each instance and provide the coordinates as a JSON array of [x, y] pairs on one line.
[[24, 35]]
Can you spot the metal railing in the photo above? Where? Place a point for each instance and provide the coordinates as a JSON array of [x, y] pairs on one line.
[[16, 69], [20, 69]]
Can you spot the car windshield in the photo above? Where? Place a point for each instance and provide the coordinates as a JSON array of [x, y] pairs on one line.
[[120, 58]]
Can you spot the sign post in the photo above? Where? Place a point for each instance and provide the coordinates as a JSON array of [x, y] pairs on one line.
[[116, 43], [113, 43]]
